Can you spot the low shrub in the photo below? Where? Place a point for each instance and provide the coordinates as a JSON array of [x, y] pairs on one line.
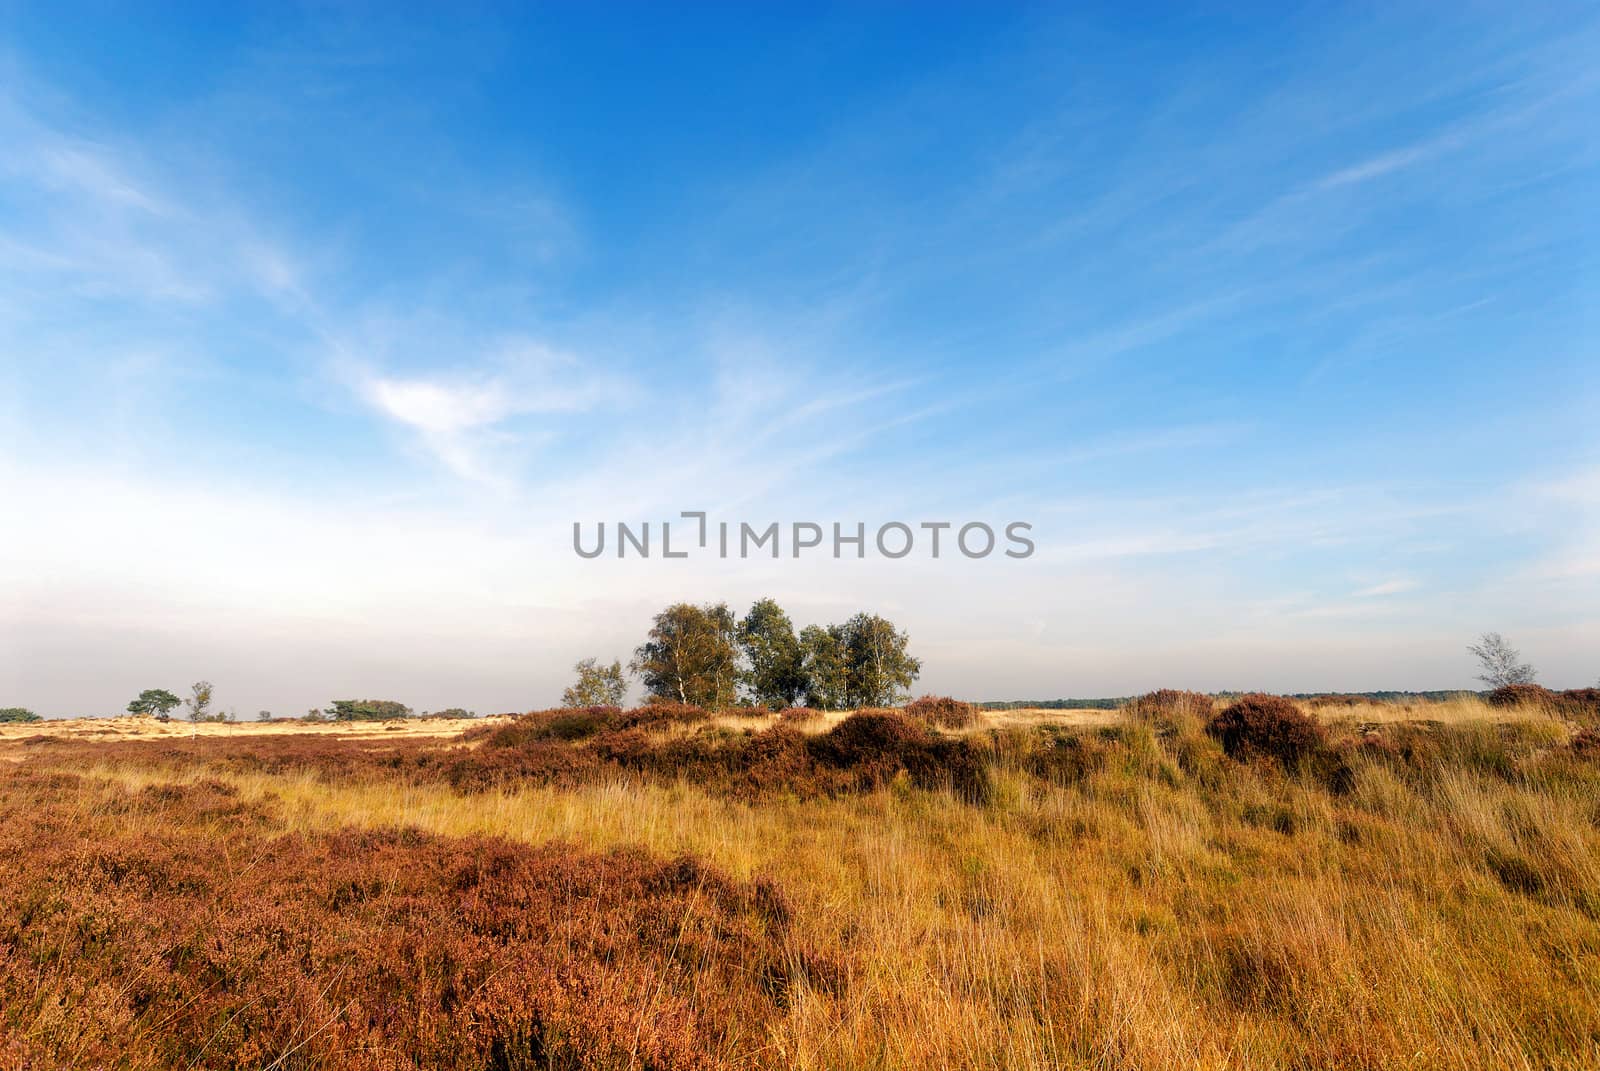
[[1067, 759], [1519, 695], [1171, 705], [870, 736], [1585, 744], [875, 745], [775, 761], [1579, 702], [942, 712], [798, 715], [1266, 726], [661, 715], [543, 762], [560, 723]]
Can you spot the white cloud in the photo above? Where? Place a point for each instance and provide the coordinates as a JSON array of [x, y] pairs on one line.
[[1387, 587], [474, 422], [90, 170], [98, 216], [1581, 488], [1387, 163], [439, 408]]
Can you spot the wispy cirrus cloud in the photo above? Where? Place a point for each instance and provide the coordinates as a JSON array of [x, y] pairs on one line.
[[472, 420], [1397, 586], [85, 214]]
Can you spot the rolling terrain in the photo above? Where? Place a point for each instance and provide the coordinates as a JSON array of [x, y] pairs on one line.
[[1352, 885]]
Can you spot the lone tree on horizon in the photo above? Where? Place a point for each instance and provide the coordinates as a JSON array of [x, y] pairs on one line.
[[199, 701], [597, 685], [156, 701], [1502, 663]]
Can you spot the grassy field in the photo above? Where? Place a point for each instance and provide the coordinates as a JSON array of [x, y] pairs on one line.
[[1038, 889]]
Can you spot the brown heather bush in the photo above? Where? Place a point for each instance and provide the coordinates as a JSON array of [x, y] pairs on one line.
[[875, 745], [863, 752], [868, 736], [1579, 702], [661, 714], [157, 930], [799, 715], [578, 723], [1171, 706], [561, 723], [1068, 758], [942, 712], [1266, 726], [1518, 695], [487, 769], [1585, 744]]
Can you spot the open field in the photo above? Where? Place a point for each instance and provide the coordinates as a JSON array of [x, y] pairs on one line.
[[136, 728], [1417, 887]]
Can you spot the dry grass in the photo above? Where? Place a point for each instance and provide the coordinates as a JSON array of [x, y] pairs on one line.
[[136, 728], [1128, 896]]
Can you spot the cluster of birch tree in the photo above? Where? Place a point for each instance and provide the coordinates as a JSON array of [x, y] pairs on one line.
[[706, 655]]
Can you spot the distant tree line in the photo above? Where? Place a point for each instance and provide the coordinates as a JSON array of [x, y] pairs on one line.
[[1115, 702], [1102, 703]]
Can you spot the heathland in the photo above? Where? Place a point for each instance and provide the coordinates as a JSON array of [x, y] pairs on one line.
[[1181, 883]]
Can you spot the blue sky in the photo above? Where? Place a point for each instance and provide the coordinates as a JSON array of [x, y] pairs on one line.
[[319, 326]]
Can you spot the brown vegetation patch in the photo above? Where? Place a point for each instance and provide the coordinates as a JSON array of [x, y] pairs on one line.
[[1170, 704], [799, 716], [1128, 896], [1518, 695], [1067, 758], [1585, 744], [164, 934], [1266, 726], [875, 745], [942, 712], [1580, 702], [863, 752]]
